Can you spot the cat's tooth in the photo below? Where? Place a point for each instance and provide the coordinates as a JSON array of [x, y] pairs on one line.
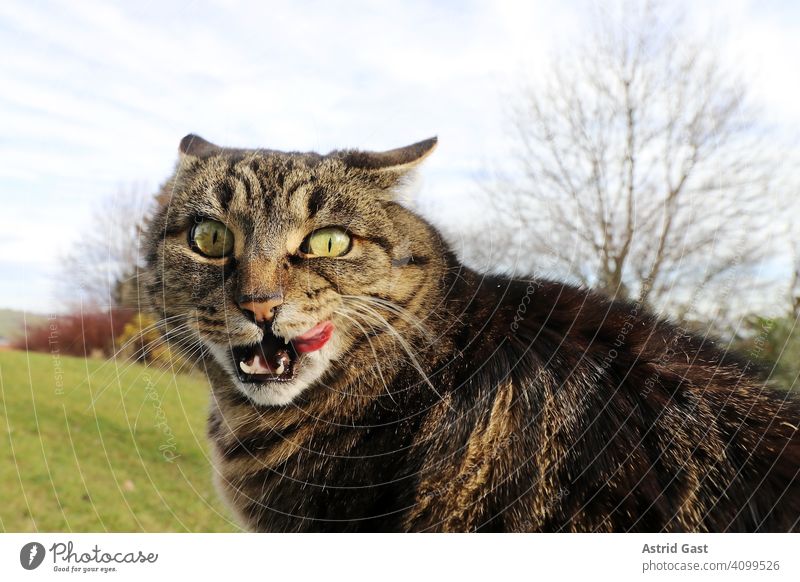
[[260, 365], [279, 369], [245, 368]]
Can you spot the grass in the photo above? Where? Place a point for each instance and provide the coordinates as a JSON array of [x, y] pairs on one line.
[[90, 445]]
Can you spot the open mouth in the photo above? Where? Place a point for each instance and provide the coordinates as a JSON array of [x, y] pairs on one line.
[[276, 360]]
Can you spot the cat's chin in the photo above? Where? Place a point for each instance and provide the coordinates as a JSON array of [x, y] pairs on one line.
[[271, 393]]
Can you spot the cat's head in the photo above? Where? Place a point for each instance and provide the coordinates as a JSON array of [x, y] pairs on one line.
[[282, 264]]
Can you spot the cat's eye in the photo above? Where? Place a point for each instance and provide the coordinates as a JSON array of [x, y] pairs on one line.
[[211, 238], [327, 242]]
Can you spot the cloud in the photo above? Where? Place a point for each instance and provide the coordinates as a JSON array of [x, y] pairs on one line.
[[98, 94]]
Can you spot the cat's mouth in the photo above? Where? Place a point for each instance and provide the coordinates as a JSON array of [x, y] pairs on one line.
[[276, 359]]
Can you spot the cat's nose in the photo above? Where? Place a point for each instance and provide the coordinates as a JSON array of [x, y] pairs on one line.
[[260, 309]]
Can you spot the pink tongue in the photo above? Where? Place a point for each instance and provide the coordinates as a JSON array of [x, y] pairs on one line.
[[314, 339]]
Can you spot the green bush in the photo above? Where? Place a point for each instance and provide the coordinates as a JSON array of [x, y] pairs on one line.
[[775, 343]]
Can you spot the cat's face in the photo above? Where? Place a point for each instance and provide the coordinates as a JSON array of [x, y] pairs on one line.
[[275, 261]]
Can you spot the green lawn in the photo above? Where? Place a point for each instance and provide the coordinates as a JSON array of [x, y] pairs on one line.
[[135, 459]]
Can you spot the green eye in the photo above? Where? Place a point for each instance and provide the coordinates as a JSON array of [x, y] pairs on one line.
[[211, 238], [327, 242]]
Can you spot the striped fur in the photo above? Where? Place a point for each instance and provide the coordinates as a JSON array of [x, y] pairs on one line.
[[451, 400]]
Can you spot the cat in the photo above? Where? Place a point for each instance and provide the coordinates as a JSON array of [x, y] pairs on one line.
[[363, 379]]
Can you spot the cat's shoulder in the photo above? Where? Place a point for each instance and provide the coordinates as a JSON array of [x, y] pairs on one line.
[[538, 301], [562, 317]]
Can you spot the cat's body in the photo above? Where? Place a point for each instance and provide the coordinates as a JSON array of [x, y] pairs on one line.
[[451, 400]]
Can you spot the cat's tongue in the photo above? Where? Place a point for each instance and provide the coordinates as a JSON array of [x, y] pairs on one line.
[[314, 339]]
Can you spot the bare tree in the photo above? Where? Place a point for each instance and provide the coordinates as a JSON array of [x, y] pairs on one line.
[[640, 169], [102, 266]]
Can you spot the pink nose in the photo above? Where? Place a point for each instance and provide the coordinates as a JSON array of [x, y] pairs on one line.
[[260, 310]]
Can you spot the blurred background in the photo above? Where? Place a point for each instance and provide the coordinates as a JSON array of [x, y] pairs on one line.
[[648, 150]]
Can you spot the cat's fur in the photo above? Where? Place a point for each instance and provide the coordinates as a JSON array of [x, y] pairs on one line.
[[450, 400]]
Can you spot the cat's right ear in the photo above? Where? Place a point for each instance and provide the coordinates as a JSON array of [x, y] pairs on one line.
[[195, 146], [397, 161], [389, 169]]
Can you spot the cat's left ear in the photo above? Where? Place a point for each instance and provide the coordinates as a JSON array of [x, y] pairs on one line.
[[195, 146], [393, 162]]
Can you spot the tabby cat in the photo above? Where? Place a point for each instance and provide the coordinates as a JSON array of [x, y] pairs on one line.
[[364, 380]]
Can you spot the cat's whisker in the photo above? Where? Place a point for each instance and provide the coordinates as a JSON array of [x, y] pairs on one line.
[[402, 342], [365, 308], [374, 353], [393, 307], [120, 350], [186, 359], [413, 359], [133, 358], [188, 356], [137, 337], [178, 341], [172, 333], [375, 314], [155, 380]]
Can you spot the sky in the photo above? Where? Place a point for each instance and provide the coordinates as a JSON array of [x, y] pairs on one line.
[[96, 95]]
